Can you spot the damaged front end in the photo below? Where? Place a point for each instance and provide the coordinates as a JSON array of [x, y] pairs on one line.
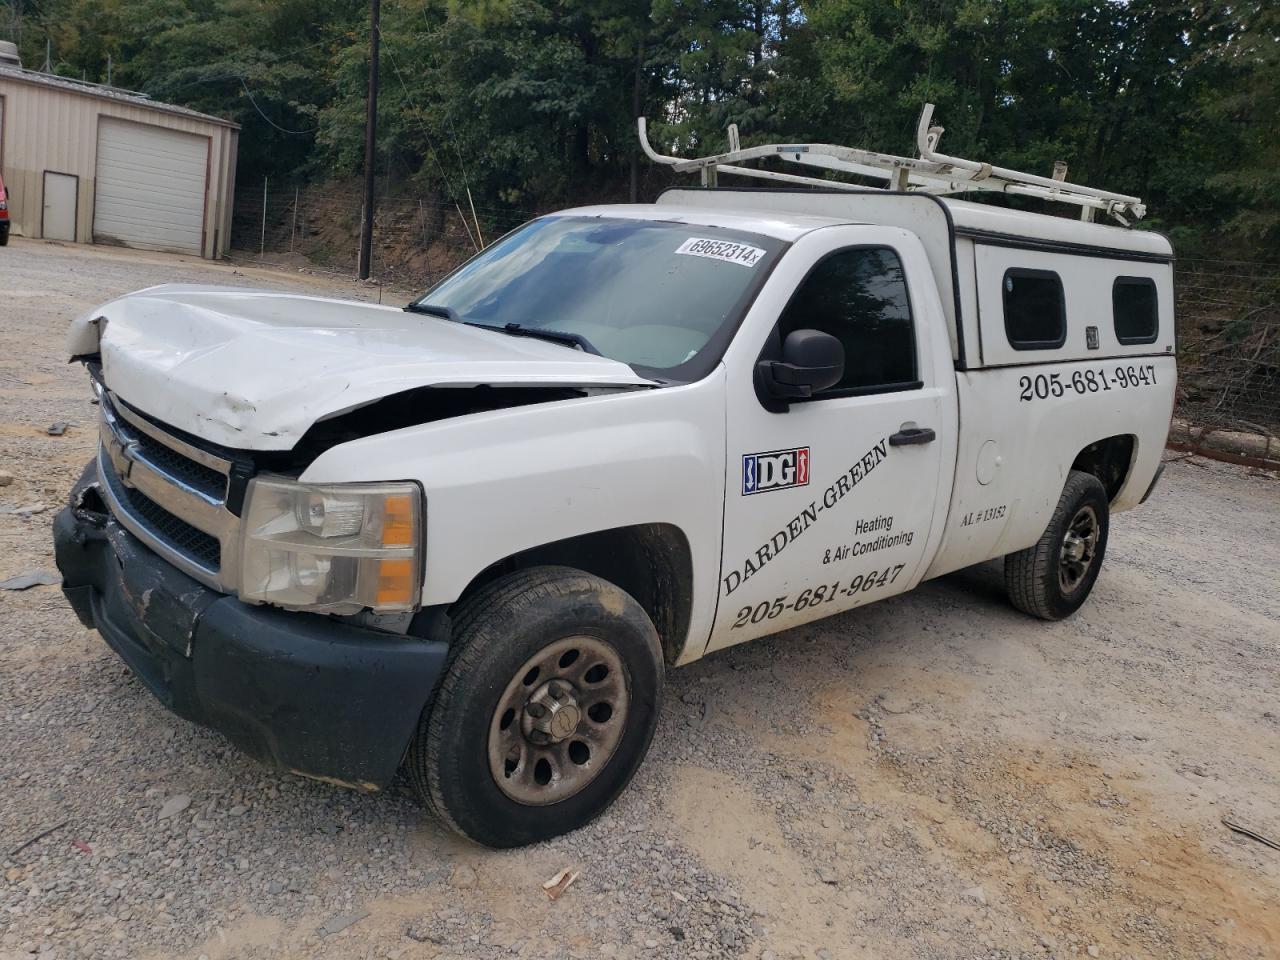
[[255, 371], [282, 613], [301, 692]]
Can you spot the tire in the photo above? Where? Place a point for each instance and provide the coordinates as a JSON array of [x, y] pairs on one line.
[[1048, 580], [509, 751], [4, 238]]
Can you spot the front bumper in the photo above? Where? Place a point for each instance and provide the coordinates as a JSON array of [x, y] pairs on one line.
[[298, 691]]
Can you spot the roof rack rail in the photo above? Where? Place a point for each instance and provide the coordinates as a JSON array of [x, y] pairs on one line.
[[931, 172]]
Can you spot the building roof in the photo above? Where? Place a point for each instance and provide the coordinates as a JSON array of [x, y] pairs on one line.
[[102, 92]]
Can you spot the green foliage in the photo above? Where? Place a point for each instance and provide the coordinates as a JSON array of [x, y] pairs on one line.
[[266, 64], [531, 103]]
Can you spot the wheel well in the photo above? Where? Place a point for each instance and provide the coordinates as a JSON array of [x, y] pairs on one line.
[[651, 561], [1109, 460]]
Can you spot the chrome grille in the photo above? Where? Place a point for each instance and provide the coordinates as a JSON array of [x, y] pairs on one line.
[[169, 493], [168, 528], [205, 479]]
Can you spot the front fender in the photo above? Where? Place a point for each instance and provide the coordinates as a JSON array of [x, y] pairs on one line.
[[502, 482]]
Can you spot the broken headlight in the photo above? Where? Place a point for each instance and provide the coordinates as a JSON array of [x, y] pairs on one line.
[[333, 548]]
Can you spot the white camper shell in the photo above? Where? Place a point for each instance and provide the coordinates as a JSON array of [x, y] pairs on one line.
[[467, 538]]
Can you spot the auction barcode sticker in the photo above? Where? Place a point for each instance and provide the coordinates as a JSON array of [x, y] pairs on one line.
[[739, 253]]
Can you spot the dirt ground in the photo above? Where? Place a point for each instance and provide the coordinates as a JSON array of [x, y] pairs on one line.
[[933, 776]]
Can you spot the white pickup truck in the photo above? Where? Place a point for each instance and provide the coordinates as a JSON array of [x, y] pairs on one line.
[[465, 538]]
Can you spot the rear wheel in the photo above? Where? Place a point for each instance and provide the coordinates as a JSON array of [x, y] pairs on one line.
[[1052, 578], [547, 707]]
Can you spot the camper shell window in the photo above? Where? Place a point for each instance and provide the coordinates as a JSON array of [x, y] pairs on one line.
[[1035, 312], [1134, 308]]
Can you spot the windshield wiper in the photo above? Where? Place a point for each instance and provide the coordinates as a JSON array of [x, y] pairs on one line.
[[576, 340], [434, 310], [542, 333]]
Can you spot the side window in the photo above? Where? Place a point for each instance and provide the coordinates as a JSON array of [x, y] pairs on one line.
[[1035, 312], [859, 296], [1133, 306]]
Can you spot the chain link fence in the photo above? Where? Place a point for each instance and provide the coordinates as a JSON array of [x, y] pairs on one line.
[[416, 240], [1229, 345], [1228, 310]]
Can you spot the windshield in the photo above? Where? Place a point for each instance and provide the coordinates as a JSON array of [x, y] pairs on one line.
[[652, 294]]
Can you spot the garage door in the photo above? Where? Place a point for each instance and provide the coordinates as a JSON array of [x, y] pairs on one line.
[[151, 187]]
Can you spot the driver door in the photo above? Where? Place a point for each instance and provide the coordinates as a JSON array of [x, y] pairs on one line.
[[836, 500]]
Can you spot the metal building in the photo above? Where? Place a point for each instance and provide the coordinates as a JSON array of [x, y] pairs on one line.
[[94, 164]]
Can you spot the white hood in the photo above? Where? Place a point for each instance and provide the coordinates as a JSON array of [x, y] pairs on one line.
[[253, 369]]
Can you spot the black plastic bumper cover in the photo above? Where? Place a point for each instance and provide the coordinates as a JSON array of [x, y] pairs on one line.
[[297, 691]]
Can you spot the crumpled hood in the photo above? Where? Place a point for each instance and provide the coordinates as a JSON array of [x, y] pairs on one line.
[[253, 369]]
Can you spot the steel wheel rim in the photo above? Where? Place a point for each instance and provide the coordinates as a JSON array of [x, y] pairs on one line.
[[559, 721], [1079, 549]]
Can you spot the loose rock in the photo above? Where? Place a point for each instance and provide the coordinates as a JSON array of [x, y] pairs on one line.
[[174, 806]]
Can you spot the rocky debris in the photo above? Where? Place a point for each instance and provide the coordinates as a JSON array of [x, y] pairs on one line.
[[30, 510], [173, 806], [421, 933], [6, 478], [891, 703], [30, 578], [463, 877], [340, 923]]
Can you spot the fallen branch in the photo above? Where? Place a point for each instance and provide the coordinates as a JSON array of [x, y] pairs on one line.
[[1252, 835], [39, 836]]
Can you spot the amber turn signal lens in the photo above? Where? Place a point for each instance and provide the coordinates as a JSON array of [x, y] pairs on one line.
[[395, 582], [397, 521]]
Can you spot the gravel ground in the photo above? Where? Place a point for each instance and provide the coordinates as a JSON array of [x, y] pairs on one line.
[[934, 776]]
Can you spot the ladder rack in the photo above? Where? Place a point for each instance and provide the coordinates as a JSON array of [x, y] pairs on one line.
[[931, 172]]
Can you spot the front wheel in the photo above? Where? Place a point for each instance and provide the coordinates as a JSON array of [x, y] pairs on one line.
[[549, 702], [1053, 577]]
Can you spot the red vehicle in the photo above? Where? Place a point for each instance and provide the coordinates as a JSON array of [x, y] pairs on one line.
[[4, 212]]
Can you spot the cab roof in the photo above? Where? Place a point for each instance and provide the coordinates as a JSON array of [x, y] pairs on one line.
[[787, 226], [788, 215]]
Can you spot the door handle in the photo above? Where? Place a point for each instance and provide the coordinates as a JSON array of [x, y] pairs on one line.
[[911, 436]]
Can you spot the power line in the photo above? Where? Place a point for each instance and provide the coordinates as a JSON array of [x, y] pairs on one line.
[[431, 150], [245, 86], [453, 141], [235, 76]]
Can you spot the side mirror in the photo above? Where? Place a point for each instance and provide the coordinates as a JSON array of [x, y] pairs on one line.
[[811, 360]]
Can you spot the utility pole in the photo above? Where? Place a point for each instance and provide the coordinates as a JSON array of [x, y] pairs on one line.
[[370, 129]]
